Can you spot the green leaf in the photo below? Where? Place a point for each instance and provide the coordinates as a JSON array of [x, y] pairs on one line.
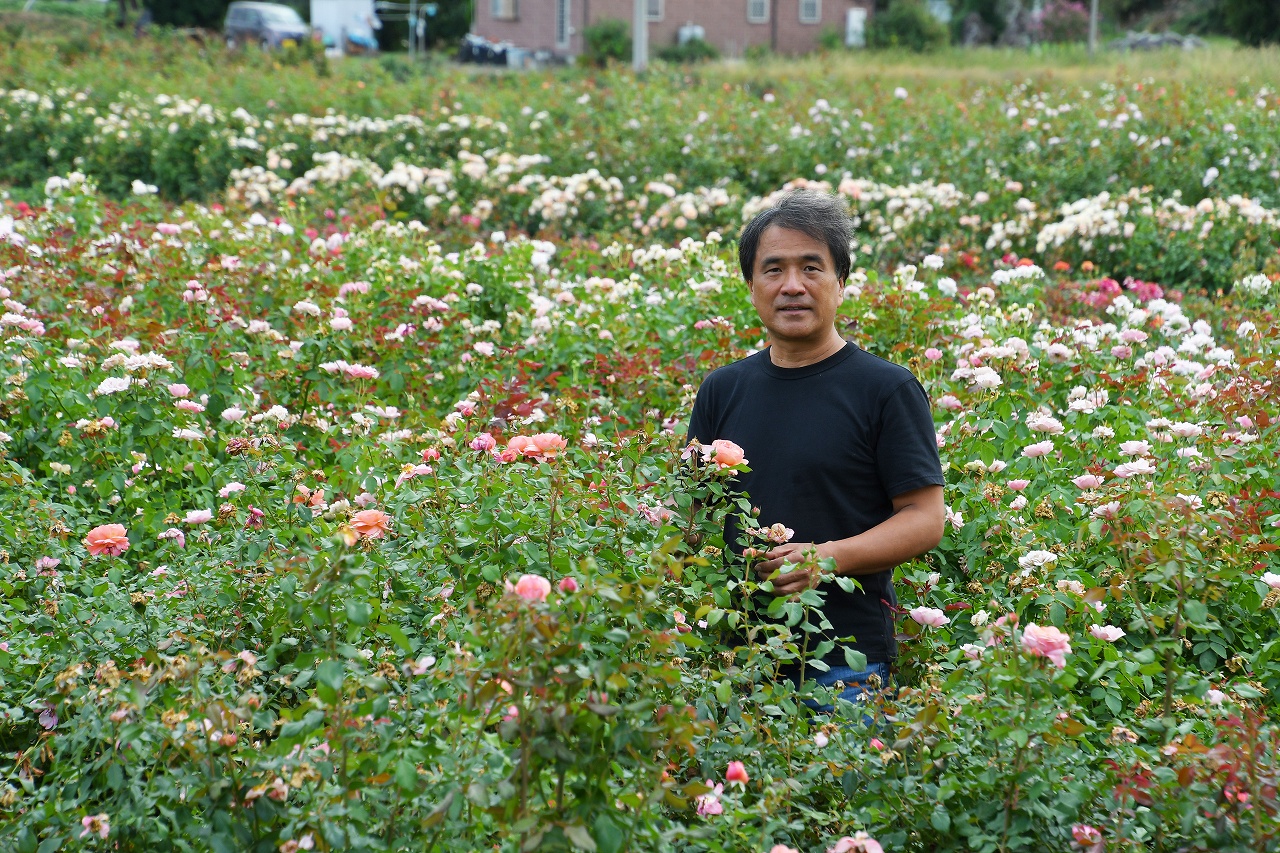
[[406, 776], [609, 837], [940, 820], [577, 833], [1197, 612], [330, 674], [398, 637], [855, 660], [358, 612], [1018, 736], [724, 692]]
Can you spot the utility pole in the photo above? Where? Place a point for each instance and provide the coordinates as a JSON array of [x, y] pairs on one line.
[[640, 36], [1093, 27]]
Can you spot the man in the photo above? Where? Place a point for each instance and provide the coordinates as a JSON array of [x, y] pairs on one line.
[[841, 443]]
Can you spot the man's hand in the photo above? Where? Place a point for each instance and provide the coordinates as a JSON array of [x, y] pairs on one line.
[[782, 559]]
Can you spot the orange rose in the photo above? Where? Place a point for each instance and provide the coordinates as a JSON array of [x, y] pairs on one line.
[[109, 539], [371, 523], [725, 453]]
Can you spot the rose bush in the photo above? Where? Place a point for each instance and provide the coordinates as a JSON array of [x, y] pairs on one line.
[[268, 473]]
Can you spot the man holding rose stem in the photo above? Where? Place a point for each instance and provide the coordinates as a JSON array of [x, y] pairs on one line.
[[841, 443]]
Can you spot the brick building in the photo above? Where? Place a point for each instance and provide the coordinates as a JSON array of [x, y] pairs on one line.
[[785, 26]]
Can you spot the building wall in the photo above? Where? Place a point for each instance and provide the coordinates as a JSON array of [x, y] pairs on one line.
[[725, 23]]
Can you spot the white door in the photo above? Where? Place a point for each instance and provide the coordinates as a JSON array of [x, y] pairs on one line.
[[563, 30], [855, 28]]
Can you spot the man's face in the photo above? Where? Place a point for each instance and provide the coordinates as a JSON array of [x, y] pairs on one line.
[[794, 287]]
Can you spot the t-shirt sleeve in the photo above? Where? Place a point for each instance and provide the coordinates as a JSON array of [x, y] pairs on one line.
[[907, 450]]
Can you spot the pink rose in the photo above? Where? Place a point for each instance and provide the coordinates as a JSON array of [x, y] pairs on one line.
[[533, 587], [1047, 642], [709, 803], [860, 842], [931, 616], [1019, 485], [737, 772], [1086, 835], [725, 453], [1087, 481], [933, 353], [178, 389], [1109, 633], [567, 585], [1040, 448]]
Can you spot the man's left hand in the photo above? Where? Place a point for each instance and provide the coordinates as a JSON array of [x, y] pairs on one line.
[[780, 559]]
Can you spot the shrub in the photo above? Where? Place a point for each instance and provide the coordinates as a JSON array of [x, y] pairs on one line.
[[694, 50], [907, 24], [1254, 22], [1062, 21], [758, 53], [830, 39], [607, 41]]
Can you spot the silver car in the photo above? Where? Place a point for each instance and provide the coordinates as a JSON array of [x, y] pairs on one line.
[[268, 25]]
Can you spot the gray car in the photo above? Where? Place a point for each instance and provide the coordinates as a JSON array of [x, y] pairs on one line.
[[268, 25]]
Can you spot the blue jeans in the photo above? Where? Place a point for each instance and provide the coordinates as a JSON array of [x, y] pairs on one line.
[[857, 685]]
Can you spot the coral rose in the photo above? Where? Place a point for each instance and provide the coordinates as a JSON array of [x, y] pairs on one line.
[[109, 539], [371, 523], [725, 453], [533, 587], [1047, 642]]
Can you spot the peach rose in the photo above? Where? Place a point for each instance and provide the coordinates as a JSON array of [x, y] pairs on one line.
[[371, 523], [549, 443], [109, 539], [725, 453], [521, 445], [533, 587]]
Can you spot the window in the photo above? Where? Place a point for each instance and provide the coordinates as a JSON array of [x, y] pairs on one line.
[[653, 10], [810, 11], [503, 10], [757, 11], [563, 30]]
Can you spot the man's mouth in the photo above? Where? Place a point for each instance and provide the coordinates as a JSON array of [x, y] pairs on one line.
[[788, 309]]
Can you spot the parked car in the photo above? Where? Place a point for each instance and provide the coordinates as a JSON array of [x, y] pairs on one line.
[[268, 25]]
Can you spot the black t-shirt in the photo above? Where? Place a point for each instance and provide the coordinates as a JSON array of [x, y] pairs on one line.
[[829, 446]]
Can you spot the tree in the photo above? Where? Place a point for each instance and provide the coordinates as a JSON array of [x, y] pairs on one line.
[[1254, 22]]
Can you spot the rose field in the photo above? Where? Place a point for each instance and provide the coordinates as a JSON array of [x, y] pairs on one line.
[[345, 501]]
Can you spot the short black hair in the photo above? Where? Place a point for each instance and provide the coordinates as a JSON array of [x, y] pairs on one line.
[[821, 215]]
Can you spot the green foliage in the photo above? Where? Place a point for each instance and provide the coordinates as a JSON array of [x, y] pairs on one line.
[[830, 39], [691, 52], [1254, 22], [987, 10], [361, 302], [606, 41], [907, 24], [190, 13], [1063, 21]]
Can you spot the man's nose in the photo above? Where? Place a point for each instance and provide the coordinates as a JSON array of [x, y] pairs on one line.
[[792, 282]]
